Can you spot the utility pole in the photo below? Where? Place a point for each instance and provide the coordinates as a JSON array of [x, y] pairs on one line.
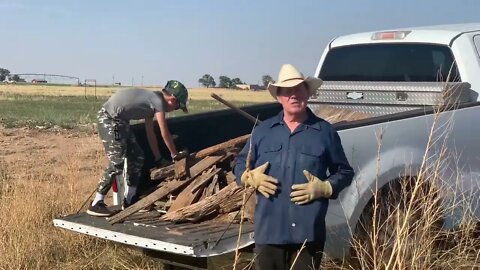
[[142, 80]]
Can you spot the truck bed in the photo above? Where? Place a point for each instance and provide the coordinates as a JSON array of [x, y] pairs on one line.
[[146, 230]]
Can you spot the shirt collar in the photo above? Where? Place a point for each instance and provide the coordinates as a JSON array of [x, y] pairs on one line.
[[312, 120]]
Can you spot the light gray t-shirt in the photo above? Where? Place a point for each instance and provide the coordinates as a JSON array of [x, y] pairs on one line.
[[134, 104]]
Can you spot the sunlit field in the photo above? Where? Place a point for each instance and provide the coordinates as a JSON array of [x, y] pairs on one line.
[[194, 93], [68, 107]]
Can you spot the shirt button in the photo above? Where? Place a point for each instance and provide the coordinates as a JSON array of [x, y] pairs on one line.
[[293, 224]]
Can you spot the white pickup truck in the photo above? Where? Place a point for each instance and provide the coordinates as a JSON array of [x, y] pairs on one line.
[[398, 77]]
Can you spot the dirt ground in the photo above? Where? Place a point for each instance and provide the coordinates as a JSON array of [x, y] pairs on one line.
[[45, 174], [29, 152]]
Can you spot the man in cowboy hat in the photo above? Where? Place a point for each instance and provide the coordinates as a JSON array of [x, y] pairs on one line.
[[119, 141], [299, 164]]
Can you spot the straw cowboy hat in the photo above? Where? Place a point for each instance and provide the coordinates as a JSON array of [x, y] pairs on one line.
[[289, 76]]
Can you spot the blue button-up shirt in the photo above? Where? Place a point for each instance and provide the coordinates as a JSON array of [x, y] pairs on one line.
[[314, 146]]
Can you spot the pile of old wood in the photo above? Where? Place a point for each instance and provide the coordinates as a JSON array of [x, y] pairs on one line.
[[203, 185]]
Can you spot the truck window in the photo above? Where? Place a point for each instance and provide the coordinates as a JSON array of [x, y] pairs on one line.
[[476, 40], [390, 62]]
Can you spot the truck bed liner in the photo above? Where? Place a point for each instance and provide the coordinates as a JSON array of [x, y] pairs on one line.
[[146, 230]]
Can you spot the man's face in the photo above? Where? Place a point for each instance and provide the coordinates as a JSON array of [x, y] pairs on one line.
[[293, 99]]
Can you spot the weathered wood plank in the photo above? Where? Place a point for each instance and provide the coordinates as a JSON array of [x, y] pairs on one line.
[[163, 191], [222, 146], [209, 205], [167, 171], [204, 179], [211, 188], [230, 177], [161, 173], [181, 169], [191, 194]]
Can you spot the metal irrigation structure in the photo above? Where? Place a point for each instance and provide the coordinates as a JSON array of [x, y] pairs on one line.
[[44, 76], [91, 82]]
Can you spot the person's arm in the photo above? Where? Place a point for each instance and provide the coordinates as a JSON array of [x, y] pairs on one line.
[[341, 173], [167, 137], [152, 140]]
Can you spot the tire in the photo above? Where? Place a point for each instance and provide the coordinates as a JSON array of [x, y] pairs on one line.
[[402, 203]]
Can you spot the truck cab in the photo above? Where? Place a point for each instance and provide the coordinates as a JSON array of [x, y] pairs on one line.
[[419, 54]]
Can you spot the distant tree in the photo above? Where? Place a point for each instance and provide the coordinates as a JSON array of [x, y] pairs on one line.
[[4, 73], [17, 78], [266, 79], [207, 81], [224, 82], [235, 81]]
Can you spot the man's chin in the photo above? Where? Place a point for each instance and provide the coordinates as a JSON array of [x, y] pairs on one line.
[[296, 110]]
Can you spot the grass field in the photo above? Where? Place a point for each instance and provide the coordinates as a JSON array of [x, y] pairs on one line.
[[68, 107], [194, 93]]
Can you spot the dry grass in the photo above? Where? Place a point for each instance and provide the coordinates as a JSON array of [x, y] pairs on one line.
[[402, 227], [30, 198], [195, 93]]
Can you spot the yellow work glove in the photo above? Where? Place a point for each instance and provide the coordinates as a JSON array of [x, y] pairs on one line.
[[314, 189], [257, 179]]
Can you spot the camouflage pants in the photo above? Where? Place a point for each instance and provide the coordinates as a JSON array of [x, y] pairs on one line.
[[119, 143]]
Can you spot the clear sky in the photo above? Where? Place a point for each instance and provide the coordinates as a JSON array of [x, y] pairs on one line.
[[184, 39]]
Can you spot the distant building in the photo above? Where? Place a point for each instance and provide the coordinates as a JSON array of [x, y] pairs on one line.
[[252, 87], [8, 80], [38, 81]]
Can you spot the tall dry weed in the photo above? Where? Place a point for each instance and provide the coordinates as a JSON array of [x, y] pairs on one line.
[[403, 226], [4, 179], [29, 239]]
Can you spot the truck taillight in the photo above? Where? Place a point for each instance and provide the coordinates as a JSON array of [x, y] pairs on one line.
[[390, 35]]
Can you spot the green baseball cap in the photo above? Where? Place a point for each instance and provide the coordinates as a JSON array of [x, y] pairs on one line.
[[179, 91]]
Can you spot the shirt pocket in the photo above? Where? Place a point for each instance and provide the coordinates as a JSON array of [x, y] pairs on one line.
[[312, 159], [271, 153]]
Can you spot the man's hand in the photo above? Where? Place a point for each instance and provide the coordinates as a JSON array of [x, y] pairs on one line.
[[314, 189], [257, 179], [180, 155]]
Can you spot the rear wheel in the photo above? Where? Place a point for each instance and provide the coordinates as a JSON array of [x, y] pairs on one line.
[[400, 218]]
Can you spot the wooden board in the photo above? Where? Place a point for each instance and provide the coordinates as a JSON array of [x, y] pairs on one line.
[[161, 173], [181, 169], [191, 194], [163, 191], [204, 180], [225, 200]]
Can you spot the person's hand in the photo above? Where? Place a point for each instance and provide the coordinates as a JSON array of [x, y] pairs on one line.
[[314, 189], [179, 155], [257, 179]]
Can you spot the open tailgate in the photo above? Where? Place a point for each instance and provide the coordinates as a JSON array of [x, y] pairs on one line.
[[146, 230]]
